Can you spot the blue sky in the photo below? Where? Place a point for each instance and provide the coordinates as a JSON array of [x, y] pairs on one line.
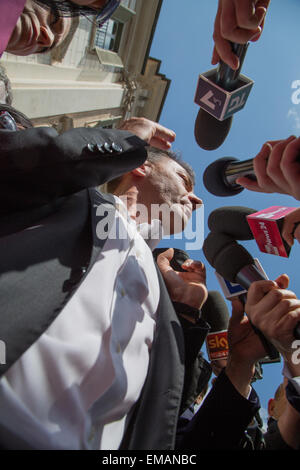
[[183, 42]]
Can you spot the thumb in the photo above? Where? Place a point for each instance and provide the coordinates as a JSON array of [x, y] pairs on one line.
[[283, 281], [163, 260], [287, 232]]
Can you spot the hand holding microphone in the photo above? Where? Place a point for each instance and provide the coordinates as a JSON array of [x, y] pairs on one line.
[[220, 93], [237, 21], [276, 168]]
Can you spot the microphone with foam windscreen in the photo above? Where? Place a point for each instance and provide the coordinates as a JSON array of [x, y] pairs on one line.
[[220, 93], [215, 312], [244, 223], [220, 177], [231, 220], [232, 261]]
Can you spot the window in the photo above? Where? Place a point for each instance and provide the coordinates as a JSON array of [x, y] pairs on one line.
[[109, 35]]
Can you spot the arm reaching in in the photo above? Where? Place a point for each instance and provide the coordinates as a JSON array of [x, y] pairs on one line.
[[237, 21]]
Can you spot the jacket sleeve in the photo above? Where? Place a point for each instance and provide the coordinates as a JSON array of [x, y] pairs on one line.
[[221, 421], [38, 165]]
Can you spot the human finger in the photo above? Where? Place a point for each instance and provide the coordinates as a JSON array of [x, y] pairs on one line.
[[290, 228], [290, 166], [163, 260], [275, 165]]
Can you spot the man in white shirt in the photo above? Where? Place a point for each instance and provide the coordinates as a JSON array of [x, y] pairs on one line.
[[95, 350]]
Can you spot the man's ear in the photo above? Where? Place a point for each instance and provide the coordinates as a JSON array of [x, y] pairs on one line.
[[271, 406], [140, 171]]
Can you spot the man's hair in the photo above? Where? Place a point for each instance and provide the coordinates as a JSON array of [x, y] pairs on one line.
[[154, 156], [19, 117], [67, 8]]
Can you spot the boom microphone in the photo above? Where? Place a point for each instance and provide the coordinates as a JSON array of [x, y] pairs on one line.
[[220, 93]]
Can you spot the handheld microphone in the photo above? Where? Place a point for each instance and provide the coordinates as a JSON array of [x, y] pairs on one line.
[[266, 226], [220, 93], [219, 178], [231, 220], [234, 263], [215, 312], [243, 223]]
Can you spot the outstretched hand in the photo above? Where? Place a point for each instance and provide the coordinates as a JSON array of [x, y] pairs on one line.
[[237, 21], [153, 133]]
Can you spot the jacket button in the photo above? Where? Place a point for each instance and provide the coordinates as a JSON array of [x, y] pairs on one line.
[[107, 147], [100, 148], [91, 147], [116, 147]]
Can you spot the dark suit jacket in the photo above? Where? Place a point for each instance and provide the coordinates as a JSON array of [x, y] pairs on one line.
[[47, 247]]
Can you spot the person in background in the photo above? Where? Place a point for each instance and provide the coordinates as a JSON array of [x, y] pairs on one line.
[[45, 24]]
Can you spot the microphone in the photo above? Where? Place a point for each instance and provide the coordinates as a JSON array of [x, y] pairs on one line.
[[266, 226], [215, 313], [220, 93], [219, 178], [232, 220], [243, 223], [232, 261]]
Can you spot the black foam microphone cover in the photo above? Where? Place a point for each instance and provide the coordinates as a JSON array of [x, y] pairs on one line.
[[232, 221], [226, 255], [214, 243], [214, 178], [209, 132], [215, 312]]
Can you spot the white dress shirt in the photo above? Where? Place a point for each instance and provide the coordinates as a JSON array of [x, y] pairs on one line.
[[75, 386]]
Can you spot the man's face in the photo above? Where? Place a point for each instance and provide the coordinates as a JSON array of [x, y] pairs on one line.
[[37, 31], [169, 185]]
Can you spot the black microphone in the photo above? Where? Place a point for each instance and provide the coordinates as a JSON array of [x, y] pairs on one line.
[[232, 261], [220, 177], [220, 93], [215, 312], [231, 220]]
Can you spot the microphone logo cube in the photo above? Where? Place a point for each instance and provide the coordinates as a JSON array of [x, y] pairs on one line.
[[266, 226], [218, 102], [217, 345]]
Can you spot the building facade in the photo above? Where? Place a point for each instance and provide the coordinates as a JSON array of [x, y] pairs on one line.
[[98, 76]]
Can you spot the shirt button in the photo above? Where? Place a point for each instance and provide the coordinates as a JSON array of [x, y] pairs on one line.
[[118, 348]]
